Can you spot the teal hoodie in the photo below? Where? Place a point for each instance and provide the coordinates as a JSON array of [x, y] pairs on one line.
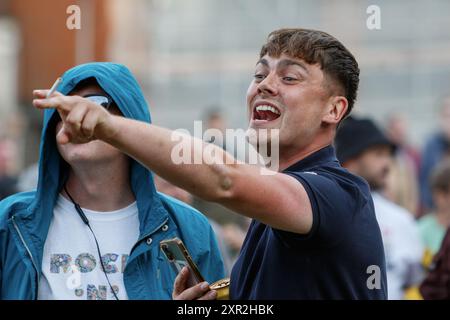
[[25, 217]]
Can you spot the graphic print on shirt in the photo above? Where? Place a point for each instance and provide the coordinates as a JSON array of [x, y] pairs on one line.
[[76, 270]]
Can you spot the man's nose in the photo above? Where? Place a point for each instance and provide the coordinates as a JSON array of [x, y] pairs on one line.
[[268, 86]]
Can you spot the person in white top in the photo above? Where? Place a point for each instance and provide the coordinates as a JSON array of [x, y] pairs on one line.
[[98, 180], [364, 150], [71, 268]]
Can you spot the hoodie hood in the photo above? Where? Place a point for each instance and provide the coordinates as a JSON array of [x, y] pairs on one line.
[[117, 81]]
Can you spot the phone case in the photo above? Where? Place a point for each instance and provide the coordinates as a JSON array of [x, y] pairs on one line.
[[178, 257]]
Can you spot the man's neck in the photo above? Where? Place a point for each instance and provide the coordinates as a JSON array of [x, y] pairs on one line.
[[100, 188]]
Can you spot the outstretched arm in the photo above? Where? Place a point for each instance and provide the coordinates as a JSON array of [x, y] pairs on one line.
[[277, 200]]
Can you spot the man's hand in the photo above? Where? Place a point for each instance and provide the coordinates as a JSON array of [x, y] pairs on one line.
[[83, 120], [200, 291]]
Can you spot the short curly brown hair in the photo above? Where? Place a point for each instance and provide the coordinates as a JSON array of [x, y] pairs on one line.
[[314, 46]]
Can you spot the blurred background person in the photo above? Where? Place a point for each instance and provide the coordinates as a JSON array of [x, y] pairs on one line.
[[364, 150], [436, 284], [402, 181], [436, 149], [434, 224]]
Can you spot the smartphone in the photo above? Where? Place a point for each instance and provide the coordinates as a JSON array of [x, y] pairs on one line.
[[178, 257]]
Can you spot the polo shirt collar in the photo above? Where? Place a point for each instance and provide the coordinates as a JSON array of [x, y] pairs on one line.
[[325, 155]]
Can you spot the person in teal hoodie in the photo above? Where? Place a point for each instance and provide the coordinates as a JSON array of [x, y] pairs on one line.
[[92, 228]]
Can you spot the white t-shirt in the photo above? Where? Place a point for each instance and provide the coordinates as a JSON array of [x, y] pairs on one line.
[[70, 267], [402, 246]]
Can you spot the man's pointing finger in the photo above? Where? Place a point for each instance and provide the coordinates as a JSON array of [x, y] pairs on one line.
[[57, 102]]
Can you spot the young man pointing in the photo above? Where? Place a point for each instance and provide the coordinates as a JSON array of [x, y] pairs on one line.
[[314, 233]]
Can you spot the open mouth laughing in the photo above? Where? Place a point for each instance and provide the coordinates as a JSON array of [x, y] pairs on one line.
[[265, 112]]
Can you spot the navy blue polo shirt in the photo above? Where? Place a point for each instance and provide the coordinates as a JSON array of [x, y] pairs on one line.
[[342, 256]]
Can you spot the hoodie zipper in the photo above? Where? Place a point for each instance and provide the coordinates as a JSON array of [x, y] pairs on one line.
[[143, 238], [29, 253]]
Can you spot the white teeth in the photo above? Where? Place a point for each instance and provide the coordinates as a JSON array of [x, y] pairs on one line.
[[274, 110], [267, 108]]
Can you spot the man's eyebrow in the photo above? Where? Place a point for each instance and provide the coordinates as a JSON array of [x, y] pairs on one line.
[[288, 62], [263, 62]]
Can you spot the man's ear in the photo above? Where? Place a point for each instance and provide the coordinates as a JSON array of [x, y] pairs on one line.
[[336, 109]]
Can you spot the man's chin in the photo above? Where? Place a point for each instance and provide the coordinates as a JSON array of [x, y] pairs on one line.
[[265, 125], [79, 152]]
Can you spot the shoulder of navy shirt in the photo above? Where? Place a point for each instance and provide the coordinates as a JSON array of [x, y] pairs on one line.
[[334, 260]]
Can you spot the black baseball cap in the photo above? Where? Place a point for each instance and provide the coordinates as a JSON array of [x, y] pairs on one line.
[[355, 136]]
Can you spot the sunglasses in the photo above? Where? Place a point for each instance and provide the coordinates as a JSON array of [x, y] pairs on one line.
[[103, 100]]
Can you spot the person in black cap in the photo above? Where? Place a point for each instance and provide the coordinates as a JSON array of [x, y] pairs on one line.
[[353, 139], [365, 151]]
